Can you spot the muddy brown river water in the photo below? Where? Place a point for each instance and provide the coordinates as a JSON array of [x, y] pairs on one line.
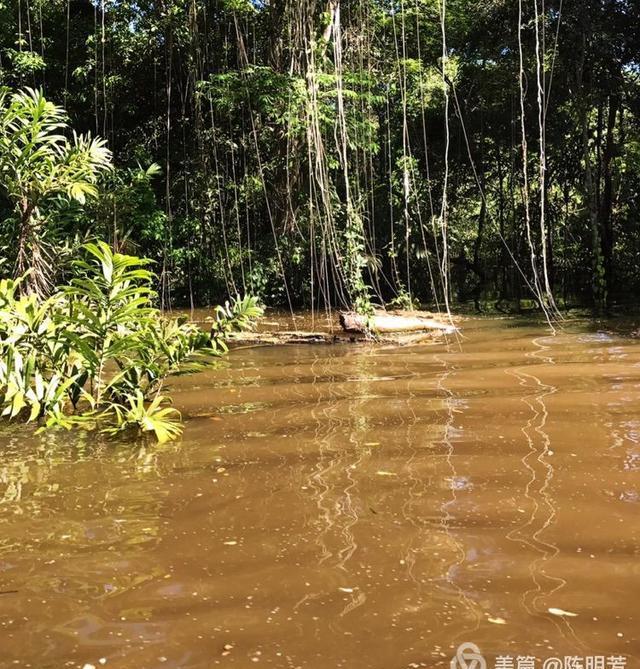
[[365, 507]]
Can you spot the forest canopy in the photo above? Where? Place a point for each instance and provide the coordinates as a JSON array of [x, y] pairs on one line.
[[347, 152]]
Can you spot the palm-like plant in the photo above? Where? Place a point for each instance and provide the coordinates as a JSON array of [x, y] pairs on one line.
[[98, 351], [39, 162]]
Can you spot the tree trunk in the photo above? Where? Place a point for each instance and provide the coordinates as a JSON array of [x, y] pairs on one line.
[[606, 205], [332, 7], [22, 257], [597, 270]]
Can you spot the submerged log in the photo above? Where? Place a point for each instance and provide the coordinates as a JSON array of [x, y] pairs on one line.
[[382, 322], [283, 337], [294, 337]]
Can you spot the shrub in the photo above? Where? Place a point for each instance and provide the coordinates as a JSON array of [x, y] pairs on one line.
[[40, 165], [97, 352]]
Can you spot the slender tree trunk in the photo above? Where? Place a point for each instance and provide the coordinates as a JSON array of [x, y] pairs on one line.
[[504, 261], [477, 247], [597, 277], [606, 204], [22, 257], [597, 270]]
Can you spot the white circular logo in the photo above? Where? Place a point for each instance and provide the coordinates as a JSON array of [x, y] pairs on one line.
[[468, 656]]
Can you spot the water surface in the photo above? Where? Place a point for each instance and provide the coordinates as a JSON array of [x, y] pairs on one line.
[[365, 507]]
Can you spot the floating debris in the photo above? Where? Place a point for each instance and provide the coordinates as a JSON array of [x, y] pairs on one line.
[[562, 613]]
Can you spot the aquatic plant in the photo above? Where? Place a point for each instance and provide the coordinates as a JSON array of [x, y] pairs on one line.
[[97, 352]]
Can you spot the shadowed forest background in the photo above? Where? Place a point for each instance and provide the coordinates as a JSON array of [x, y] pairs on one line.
[[336, 152]]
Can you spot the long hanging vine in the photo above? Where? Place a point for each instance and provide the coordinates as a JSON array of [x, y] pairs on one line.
[[341, 153]]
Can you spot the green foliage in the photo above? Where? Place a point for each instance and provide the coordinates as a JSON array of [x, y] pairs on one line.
[[273, 127], [25, 62], [97, 352], [37, 160], [126, 212], [239, 6], [403, 300], [356, 262], [135, 413], [38, 164], [235, 316]]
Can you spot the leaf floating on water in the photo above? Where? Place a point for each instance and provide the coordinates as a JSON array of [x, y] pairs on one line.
[[383, 473], [562, 613], [497, 621]]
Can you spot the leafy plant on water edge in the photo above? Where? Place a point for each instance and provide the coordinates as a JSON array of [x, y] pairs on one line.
[[97, 352]]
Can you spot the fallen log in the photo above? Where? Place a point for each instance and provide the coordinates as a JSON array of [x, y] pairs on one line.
[[236, 339], [382, 322], [283, 337]]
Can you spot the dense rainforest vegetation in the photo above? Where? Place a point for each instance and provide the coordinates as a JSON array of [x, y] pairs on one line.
[[346, 152]]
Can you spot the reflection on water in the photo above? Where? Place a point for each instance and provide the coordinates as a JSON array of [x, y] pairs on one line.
[[537, 495], [347, 506]]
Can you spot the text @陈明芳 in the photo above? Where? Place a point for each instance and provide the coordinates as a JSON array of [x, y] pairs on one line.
[[468, 656]]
